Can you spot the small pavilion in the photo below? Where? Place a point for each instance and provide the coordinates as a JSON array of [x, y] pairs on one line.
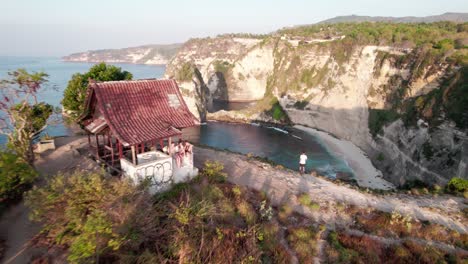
[[129, 123]]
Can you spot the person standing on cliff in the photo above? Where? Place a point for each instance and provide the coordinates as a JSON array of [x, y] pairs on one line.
[[302, 162]]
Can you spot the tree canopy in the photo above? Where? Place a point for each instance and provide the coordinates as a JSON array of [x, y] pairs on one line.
[[75, 93], [22, 116], [15, 176]]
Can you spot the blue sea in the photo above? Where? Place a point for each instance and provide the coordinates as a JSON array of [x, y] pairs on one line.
[[260, 141], [60, 73]]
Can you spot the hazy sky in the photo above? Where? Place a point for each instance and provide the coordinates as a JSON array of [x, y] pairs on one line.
[[60, 27]]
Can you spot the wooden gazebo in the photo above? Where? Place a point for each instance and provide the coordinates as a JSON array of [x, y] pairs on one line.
[[126, 119]]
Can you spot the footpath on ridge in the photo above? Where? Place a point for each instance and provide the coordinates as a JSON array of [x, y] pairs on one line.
[[282, 186]]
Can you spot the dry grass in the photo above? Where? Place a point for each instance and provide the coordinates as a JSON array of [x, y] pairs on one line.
[[305, 200], [285, 211], [303, 240], [395, 225], [344, 248]]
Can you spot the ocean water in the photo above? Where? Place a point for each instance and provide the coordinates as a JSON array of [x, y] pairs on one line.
[[270, 143], [261, 141], [60, 73]]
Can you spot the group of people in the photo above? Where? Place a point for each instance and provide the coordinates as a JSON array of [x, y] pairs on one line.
[[182, 152]]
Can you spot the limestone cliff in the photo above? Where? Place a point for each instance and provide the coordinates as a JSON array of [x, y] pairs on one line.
[[391, 101], [148, 54]]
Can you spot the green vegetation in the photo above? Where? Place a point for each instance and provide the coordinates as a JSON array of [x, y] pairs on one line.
[[427, 150], [396, 225], [382, 33], [305, 200], [74, 95], [457, 185], [378, 118], [243, 35], [92, 219], [449, 101], [84, 212], [277, 111], [346, 248], [185, 72], [432, 45], [98, 219], [456, 103], [223, 67], [22, 115], [301, 104], [380, 157], [304, 242], [15, 177]]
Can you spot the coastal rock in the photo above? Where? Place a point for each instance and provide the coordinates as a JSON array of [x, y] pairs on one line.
[[319, 87]]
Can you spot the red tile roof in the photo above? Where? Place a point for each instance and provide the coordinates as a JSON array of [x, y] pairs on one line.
[[140, 111]]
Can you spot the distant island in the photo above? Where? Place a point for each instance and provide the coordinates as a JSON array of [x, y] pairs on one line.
[[147, 54], [453, 17]]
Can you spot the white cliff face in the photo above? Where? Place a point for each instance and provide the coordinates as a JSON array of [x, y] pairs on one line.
[[341, 110], [150, 54], [234, 69], [333, 90]]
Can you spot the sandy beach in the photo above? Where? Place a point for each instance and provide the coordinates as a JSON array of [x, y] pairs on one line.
[[366, 174]]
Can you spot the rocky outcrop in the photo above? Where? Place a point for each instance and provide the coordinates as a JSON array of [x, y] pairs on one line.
[[365, 94], [234, 69], [149, 54]]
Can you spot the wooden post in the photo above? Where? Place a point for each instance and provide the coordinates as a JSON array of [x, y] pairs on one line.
[[97, 146], [142, 147], [112, 148], [120, 149], [134, 160]]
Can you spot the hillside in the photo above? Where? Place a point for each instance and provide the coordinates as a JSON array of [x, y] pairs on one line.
[[148, 54], [453, 17], [397, 91]]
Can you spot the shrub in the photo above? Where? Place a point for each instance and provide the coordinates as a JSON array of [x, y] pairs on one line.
[[378, 118], [247, 211], [84, 212], [457, 185], [303, 241], [222, 66], [185, 73], [213, 170], [305, 200], [15, 176], [301, 105], [285, 212], [277, 112]]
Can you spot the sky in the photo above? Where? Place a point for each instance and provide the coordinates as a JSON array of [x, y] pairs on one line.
[[61, 27]]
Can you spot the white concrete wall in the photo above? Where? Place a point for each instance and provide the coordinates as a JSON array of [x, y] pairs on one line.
[[162, 173]]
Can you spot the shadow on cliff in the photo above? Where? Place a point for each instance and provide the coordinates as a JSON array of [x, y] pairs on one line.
[[395, 148]]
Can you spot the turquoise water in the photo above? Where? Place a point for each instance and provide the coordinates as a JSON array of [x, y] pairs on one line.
[[261, 141], [269, 143], [59, 74]]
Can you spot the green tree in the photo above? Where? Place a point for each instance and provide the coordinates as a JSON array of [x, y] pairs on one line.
[[15, 176], [21, 115], [74, 95]]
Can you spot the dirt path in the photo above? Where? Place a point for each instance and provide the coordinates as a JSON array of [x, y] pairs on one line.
[[15, 227], [282, 186]]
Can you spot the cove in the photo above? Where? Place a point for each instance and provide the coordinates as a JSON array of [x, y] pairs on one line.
[[277, 146]]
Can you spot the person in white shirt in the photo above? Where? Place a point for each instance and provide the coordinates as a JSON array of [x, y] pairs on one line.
[[302, 162]]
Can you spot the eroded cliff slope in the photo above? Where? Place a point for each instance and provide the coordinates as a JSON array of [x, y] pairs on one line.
[[399, 92]]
